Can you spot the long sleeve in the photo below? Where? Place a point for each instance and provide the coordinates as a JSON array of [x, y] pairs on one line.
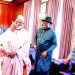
[[71, 56], [36, 37], [35, 40], [54, 43], [6, 36], [4, 39]]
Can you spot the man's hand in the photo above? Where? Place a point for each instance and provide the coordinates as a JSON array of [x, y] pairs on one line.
[[13, 26], [43, 54], [66, 61], [35, 47], [12, 54], [3, 52]]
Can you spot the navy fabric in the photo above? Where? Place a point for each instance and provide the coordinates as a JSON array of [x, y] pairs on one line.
[[45, 41]]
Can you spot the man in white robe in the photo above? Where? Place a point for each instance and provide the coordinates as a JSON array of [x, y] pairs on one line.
[[15, 49]]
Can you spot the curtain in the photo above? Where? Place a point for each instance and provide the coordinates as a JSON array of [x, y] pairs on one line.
[[52, 10], [37, 6], [27, 13], [31, 15], [66, 31]]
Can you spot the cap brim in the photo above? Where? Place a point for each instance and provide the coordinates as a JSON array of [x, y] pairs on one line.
[[47, 21]]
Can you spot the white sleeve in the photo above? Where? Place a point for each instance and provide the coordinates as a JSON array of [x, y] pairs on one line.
[[71, 56], [6, 36]]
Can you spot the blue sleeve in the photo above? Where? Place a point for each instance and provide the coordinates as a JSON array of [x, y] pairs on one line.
[[54, 43], [35, 40]]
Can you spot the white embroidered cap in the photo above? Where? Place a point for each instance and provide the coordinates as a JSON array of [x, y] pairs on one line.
[[20, 17]]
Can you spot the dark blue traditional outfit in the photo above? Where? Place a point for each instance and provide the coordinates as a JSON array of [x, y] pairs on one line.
[[45, 41]]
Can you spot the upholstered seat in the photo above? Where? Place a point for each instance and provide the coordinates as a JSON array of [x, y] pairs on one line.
[[58, 68]]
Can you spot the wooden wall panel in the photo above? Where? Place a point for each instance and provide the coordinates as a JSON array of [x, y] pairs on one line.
[[8, 13], [20, 9]]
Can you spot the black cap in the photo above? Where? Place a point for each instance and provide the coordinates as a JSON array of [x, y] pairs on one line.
[[48, 19]]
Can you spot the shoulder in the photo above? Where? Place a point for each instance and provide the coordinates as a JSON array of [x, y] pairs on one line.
[[51, 30], [40, 29], [24, 31], [24, 34]]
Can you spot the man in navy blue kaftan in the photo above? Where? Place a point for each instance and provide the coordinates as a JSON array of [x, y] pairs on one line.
[[45, 43]]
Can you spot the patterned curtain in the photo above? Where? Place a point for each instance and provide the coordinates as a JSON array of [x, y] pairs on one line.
[[37, 6], [52, 10], [66, 31], [27, 13], [31, 14]]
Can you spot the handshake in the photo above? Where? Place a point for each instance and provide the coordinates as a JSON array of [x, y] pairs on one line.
[[3, 52], [66, 61], [7, 54]]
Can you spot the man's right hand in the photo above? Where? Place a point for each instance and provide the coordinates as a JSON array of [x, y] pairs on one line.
[[3, 52], [13, 26], [35, 47], [66, 61], [12, 54]]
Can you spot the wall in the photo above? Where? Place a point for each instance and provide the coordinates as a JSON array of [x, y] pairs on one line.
[[20, 9], [8, 13]]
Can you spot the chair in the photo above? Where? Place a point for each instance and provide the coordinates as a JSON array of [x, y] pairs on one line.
[[58, 68]]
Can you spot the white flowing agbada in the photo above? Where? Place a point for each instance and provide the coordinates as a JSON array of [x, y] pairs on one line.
[[17, 41]]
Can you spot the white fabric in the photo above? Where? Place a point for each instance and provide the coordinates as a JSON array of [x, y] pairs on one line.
[[5, 36], [18, 42]]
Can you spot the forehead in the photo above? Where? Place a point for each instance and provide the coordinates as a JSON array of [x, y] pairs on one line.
[[18, 20]]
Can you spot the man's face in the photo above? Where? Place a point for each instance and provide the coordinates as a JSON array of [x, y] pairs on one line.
[[45, 25], [19, 23]]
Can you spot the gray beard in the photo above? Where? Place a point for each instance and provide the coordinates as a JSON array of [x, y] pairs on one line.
[[19, 28]]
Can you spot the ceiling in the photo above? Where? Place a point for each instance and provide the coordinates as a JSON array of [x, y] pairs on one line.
[[13, 2]]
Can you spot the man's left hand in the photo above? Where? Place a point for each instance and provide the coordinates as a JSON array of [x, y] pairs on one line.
[[12, 54], [43, 54], [66, 61]]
